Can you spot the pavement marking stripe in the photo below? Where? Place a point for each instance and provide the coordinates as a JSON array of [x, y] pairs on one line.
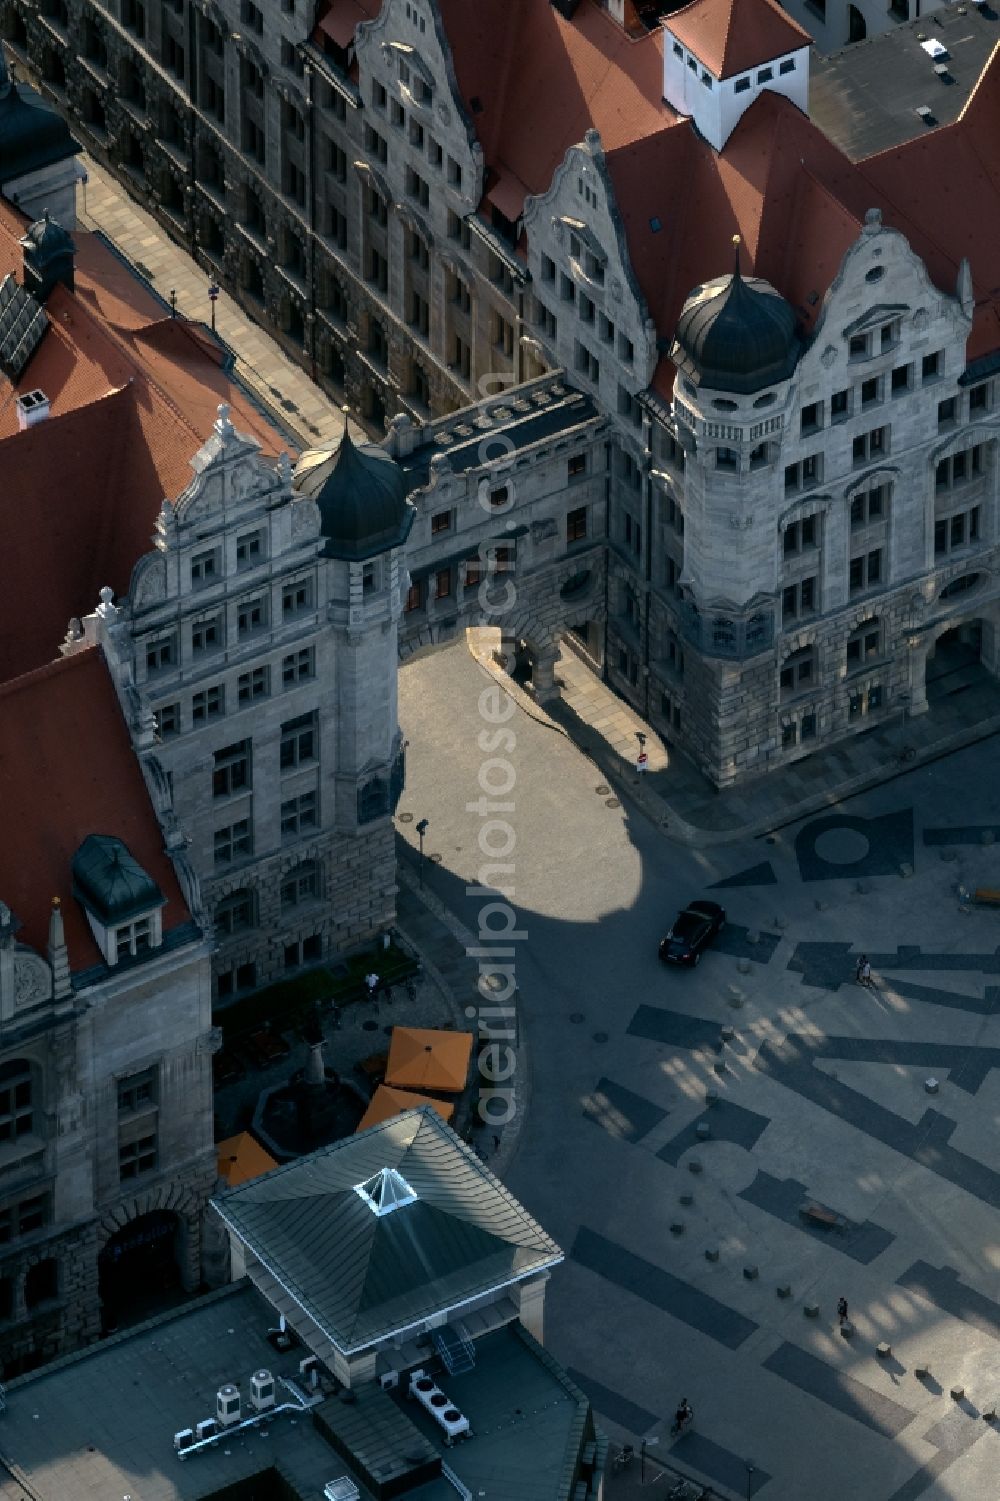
[[727, 1121], [621, 1113], [680, 1299], [838, 1390], [945, 1289], [695, 1451], [613, 1405], [673, 1028]]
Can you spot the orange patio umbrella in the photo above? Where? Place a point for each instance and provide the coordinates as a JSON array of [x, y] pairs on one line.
[[424, 1059], [242, 1157], [387, 1102]]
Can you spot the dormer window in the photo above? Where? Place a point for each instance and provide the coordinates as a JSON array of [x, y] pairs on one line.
[[741, 85], [122, 902]]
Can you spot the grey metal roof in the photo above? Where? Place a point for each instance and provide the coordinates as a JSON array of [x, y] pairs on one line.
[[361, 495], [110, 882], [466, 447], [736, 334], [865, 97], [360, 1276], [32, 135], [23, 321]]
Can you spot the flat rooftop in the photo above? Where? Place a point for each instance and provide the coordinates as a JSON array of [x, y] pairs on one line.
[[472, 439], [865, 98], [99, 1425]]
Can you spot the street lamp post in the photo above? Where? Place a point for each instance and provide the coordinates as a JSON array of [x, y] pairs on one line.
[[422, 830], [751, 1471], [173, 303], [213, 297], [646, 1443]]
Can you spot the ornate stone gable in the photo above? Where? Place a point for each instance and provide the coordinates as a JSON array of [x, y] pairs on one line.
[[579, 213], [412, 31]]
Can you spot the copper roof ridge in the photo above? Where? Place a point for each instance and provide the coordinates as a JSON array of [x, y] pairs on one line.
[[24, 681]]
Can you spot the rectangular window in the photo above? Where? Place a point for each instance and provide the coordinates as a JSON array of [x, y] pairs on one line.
[[947, 413], [137, 1156], [168, 720], [206, 635], [441, 522], [302, 885], [442, 583], [298, 667], [741, 85], [253, 685], [299, 742], [931, 366], [788, 66], [576, 466], [252, 615], [765, 75], [858, 346], [979, 399], [840, 406], [296, 598], [137, 1092], [888, 335], [134, 938], [205, 568], [804, 474], [232, 769], [454, 174], [800, 536], [812, 418], [210, 703], [870, 446], [871, 393], [249, 550], [161, 654], [234, 842], [415, 596], [299, 815], [798, 599], [23, 1217], [576, 525], [901, 379]]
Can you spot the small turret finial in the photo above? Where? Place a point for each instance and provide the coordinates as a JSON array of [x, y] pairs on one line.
[[736, 253]]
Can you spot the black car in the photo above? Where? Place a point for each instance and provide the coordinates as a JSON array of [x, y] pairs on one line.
[[693, 930]]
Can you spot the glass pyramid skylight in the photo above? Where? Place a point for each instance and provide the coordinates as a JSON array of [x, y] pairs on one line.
[[385, 1191]]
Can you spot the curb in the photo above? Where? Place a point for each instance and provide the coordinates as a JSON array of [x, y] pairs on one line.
[[659, 812]]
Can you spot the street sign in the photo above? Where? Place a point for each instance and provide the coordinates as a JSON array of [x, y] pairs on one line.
[[642, 761]]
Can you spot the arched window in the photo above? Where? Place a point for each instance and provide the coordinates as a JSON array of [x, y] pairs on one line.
[[300, 885], [373, 800], [17, 1099], [723, 635], [235, 912], [798, 672]]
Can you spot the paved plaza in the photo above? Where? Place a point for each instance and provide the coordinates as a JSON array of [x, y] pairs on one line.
[[724, 1153]]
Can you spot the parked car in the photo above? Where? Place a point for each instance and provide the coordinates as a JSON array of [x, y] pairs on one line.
[[692, 932]]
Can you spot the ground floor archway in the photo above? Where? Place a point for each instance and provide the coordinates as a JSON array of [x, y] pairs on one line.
[[139, 1270]]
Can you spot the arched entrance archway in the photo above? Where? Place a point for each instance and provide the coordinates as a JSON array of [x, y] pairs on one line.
[[139, 1270], [857, 26], [955, 660]]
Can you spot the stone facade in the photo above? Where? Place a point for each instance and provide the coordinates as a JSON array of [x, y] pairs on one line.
[[338, 191], [89, 1068]]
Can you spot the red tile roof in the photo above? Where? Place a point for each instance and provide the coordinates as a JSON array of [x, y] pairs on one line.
[[543, 81], [67, 766], [730, 36], [133, 396]]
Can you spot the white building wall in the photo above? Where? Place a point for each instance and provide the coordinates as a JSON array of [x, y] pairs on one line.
[[717, 105]]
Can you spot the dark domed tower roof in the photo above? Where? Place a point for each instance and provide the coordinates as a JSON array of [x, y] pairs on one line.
[[736, 334], [361, 494], [32, 135]]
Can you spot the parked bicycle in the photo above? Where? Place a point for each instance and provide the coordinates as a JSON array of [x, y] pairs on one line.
[[623, 1458]]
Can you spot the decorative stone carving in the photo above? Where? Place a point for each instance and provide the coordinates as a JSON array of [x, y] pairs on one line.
[[305, 520], [151, 582], [32, 981], [444, 113], [921, 318], [541, 530], [828, 356], [616, 289]]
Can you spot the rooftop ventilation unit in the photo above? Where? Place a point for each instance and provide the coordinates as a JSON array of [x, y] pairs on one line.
[[261, 1391], [389, 1381], [207, 1428], [343, 1489], [183, 1437], [227, 1405], [442, 1410]]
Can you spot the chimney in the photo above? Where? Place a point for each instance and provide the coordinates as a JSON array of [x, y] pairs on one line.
[[32, 407]]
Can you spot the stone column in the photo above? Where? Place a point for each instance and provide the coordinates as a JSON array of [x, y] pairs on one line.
[[918, 654], [989, 652], [543, 677]]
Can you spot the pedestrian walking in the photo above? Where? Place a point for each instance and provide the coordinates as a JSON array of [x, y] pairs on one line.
[[496, 1142], [842, 1310], [372, 982], [863, 974]]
